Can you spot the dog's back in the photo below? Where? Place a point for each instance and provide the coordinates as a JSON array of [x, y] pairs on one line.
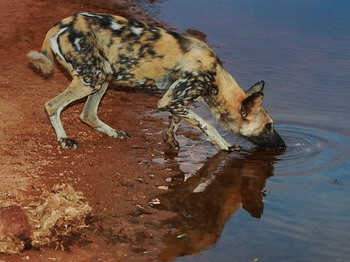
[[127, 52]]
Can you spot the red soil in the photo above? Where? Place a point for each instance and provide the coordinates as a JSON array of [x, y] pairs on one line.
[[113, 174]]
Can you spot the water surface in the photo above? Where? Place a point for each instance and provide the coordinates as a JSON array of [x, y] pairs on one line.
[[291, 205]]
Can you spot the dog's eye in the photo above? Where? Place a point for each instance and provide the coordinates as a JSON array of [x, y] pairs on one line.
[[269, 126]]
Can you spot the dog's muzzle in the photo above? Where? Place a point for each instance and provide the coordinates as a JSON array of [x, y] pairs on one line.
[[268, 140]]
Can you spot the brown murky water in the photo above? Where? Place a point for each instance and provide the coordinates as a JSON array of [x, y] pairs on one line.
[[291, 205]]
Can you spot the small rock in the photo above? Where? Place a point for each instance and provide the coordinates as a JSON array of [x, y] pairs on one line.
[[139, 206], [14, 225], [181, 236], [138, 179], [154, 201], [163, 187]]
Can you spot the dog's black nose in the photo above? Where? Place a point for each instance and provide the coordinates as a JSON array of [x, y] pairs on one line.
[[278, 142]]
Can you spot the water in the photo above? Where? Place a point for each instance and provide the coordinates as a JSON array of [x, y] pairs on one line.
[[292, 205]]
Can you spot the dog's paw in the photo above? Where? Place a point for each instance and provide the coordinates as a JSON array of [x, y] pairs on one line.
[[234, 148], [172, 145], [122, 134], [118, 134], [68, 143]]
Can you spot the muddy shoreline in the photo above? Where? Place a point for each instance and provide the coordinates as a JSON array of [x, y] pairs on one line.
[[117, 178]]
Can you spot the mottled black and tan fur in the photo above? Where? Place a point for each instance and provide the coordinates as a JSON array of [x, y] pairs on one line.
[[99, 49]]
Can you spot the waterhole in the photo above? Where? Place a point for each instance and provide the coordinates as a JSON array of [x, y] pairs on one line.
[[209, 192], [287, 205]]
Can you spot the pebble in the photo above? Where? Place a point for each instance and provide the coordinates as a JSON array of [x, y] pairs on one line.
[[14, 223], [139, 179]]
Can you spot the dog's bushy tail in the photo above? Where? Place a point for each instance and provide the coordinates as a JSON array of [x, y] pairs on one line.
[[41, 61], [44, 59]]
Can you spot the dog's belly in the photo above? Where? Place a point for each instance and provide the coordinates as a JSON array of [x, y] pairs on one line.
[[148, 83], [145, 75]]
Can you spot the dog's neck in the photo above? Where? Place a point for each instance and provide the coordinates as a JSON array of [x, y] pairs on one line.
[[225, 105]]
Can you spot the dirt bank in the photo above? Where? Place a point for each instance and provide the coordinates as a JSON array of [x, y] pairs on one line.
[[116, 177]]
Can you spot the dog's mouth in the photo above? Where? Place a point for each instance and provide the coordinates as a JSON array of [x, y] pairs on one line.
[[269, 142], [270, 147], [266, 148]]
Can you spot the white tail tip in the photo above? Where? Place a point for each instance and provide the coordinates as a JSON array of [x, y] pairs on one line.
[[41, 61]]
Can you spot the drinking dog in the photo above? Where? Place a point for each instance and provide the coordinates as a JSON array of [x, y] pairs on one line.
[[99, 49]]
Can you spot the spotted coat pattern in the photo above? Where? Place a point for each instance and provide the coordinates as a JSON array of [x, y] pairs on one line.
[[98, 49]]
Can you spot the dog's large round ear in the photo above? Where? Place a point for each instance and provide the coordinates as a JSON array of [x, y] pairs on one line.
[[257, 87], [251, 104]]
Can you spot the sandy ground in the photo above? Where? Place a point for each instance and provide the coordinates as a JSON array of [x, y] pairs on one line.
[[117, 177]]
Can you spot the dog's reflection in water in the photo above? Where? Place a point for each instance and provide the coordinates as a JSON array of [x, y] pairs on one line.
[[205, 201]]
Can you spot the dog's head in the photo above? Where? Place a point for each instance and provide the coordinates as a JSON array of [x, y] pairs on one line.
[[257, 126]]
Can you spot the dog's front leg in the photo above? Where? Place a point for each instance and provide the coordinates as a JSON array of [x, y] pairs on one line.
[[170, 139], [208, 130], [185, 91]]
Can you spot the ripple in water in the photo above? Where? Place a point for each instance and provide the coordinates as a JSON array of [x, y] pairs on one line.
[[310, 150]]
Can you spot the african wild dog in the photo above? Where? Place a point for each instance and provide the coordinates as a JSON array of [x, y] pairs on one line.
[[98, 49]]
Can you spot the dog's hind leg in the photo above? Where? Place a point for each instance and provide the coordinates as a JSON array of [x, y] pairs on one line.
[[75, 91], [89, 115]]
